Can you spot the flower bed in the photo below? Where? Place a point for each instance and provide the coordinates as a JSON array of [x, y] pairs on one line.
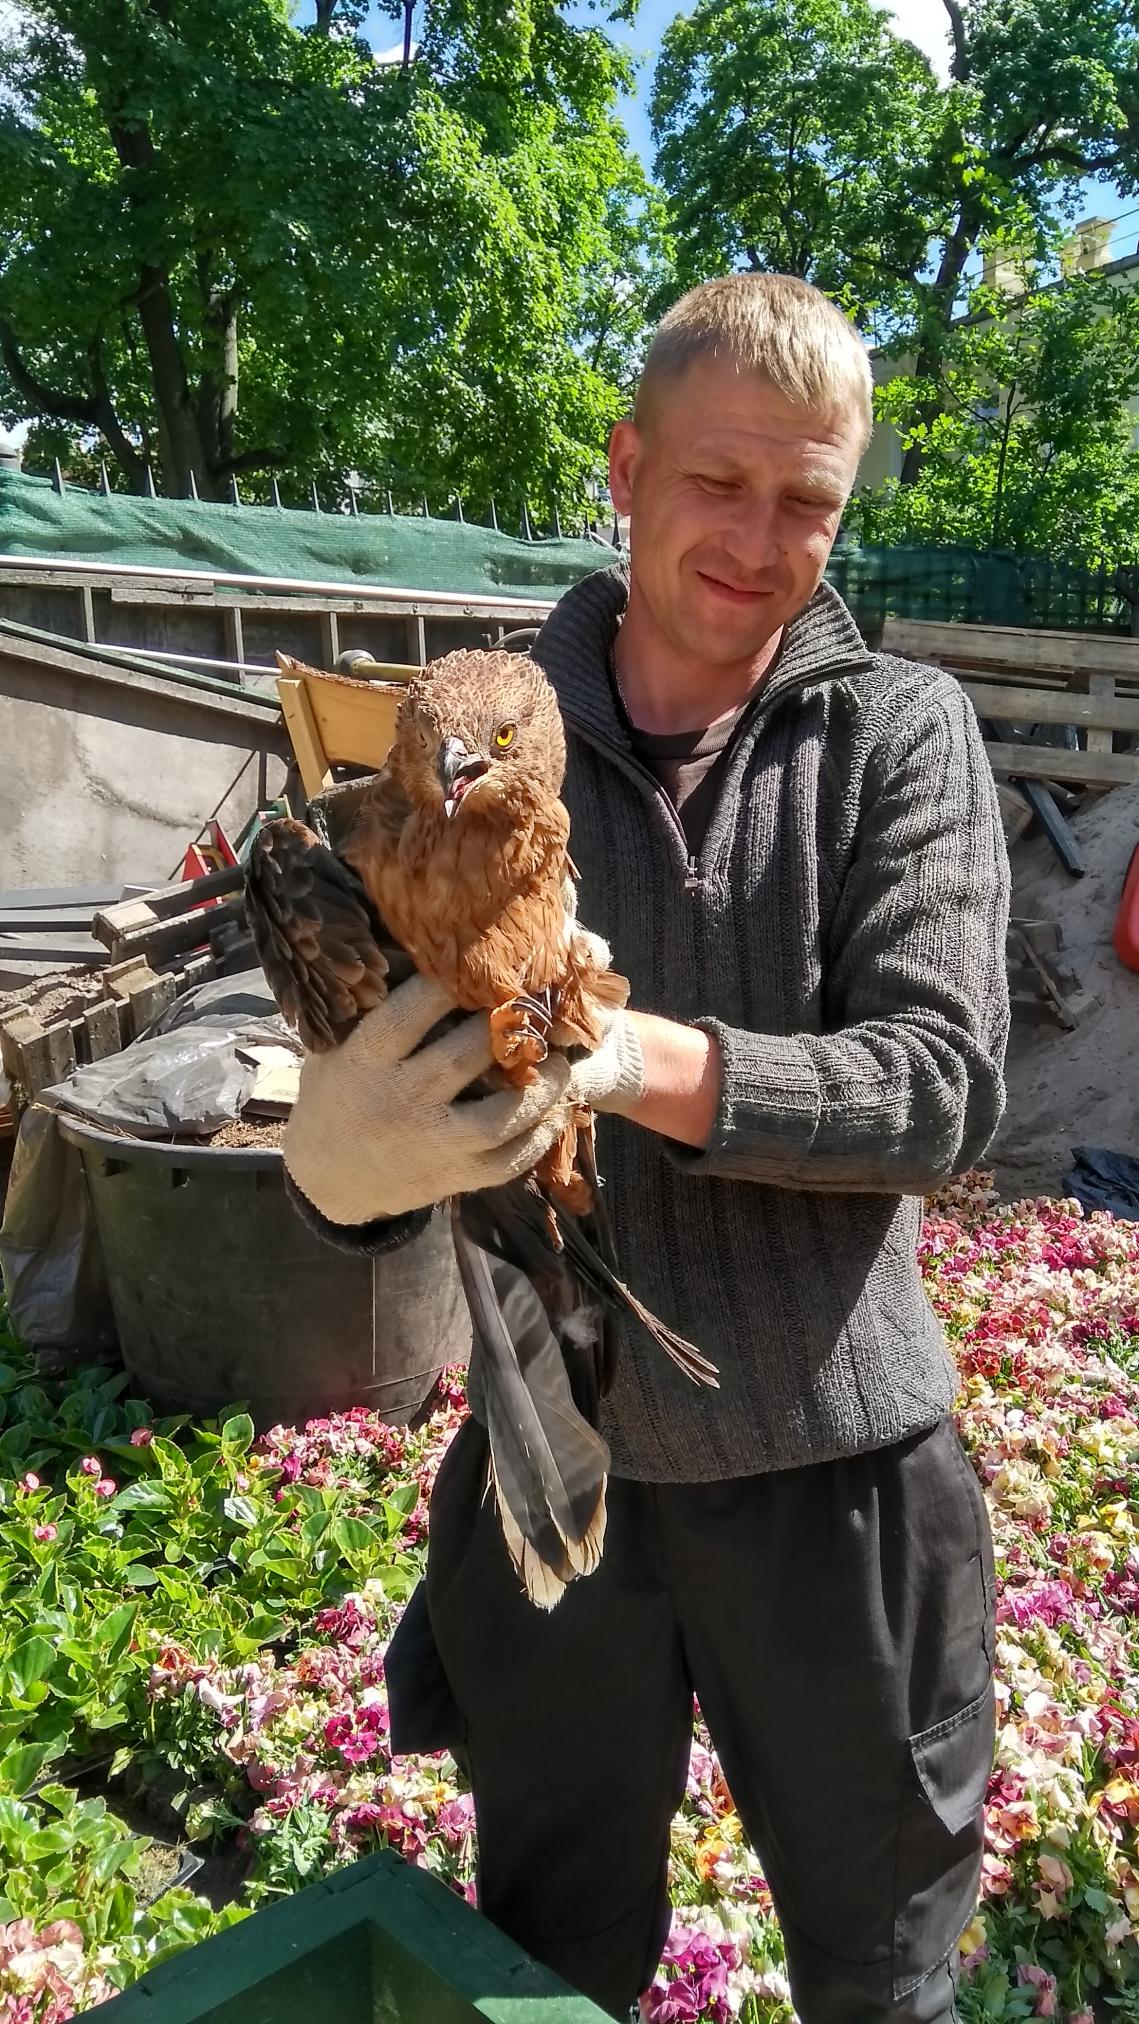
[[211, 1613]]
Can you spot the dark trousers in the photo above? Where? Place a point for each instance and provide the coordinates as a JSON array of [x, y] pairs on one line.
[[835, 1623]]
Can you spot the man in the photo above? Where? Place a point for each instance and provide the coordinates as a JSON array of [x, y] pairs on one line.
[[793, 848]]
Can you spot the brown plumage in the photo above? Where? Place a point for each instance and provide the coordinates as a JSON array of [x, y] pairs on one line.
[[457, 859]]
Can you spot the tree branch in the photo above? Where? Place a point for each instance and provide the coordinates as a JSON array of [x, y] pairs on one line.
[[50, 400], [251, 460], [959, 68], [118, 442]]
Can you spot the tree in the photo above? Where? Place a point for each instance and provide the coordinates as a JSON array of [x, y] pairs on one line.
[[798, 136], [230, 247], [791, 138], [1032, 447]]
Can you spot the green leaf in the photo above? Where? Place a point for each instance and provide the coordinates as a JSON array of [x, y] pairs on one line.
[[29, 1664], [21, 1767], [115, 1631], [144, 1495], [241, 1511], [237, 1435], [355, 1537]]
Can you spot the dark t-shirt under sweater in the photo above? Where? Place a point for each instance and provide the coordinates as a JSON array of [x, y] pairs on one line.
[[688, 765]]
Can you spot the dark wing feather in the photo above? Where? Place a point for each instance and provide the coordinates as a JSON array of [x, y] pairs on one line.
[[548, 1466], [523, 1217], [315, 931]]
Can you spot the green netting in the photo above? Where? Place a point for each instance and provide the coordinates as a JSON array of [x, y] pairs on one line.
[[399, 551], [407, 552], [971, 587]]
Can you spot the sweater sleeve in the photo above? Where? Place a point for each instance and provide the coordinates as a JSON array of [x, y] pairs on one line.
[[904, 1088]]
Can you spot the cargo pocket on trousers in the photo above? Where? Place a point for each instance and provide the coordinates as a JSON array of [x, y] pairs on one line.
[[940, 1839]]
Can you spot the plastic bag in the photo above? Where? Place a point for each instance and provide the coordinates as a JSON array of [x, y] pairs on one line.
[[190, 1081], [49, 1251], [1104, 1180]]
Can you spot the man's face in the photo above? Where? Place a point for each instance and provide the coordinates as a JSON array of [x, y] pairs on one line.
[[735, 499]]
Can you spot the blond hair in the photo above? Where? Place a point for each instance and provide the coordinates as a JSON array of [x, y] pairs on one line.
[[770, 324]]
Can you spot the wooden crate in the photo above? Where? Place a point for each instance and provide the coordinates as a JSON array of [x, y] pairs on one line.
[[1021, 678], [336, 720]]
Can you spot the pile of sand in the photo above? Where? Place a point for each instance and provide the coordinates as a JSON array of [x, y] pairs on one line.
[[1079, 1088]]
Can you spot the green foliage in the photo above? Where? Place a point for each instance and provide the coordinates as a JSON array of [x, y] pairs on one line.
[[806, 137], [793, 138], [1025, 440], [188, 1543], [230, 247]]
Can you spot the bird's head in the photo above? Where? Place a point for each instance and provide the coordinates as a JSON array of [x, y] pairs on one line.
[[480, 732]]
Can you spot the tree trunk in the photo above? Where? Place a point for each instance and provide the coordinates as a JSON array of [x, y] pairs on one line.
[[936, 324], [216, 406], [179, 442]]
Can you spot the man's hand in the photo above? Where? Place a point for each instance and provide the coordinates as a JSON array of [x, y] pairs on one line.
[[376, 1130]]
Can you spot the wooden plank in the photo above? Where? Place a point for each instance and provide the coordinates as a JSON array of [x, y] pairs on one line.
[[64, 920], [329, 638], [37, 1056], [315, 772], [1016, 814], [1048, 762], [142, 590], [1100, 711], [1101, 688], [234, 637], [356, 726], [164, 939], [61, 896], [1012, 647], [111, 923], [147, 997], [101, 1030]]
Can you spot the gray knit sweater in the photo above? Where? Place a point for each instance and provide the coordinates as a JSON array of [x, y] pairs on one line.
[[842, 934]]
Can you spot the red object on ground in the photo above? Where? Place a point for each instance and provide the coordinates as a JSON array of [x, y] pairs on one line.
[[1126, 935], [214, 854]]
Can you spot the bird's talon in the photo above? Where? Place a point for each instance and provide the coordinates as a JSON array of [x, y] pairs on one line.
[[517, 1045]]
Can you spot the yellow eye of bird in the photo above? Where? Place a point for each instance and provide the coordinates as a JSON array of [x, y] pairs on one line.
[[504, 737]]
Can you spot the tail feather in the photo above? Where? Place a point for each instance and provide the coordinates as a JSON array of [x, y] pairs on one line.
[[589, 1263], [548, 1466]]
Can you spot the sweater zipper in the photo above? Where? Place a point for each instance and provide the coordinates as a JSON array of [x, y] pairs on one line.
[[632, 766]]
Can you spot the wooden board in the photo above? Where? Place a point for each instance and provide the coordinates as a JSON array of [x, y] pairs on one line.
[[1012, 647], [355, 721], [1050, 762], [1020, 703], [315, 772]]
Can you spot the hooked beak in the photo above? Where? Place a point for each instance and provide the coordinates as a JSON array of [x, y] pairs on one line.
[[458, 771]]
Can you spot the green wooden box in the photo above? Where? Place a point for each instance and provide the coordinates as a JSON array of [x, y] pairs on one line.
[[377, 1943]]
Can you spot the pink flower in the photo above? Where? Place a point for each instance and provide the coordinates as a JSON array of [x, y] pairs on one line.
[[91, 1465], [45, 1533], [1030, 1976], [30, 1482], [105, 1487], [142, 1437]]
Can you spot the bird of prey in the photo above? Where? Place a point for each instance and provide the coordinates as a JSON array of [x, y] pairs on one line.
[[456, 863]]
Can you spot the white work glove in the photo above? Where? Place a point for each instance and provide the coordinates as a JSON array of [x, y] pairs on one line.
[[612, 1078], [376, 1131]]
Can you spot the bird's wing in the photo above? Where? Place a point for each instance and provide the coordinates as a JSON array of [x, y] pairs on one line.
[[315, 931], [547, 1464]]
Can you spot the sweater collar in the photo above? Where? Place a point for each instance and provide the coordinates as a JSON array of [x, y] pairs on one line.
[[574, 644]]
